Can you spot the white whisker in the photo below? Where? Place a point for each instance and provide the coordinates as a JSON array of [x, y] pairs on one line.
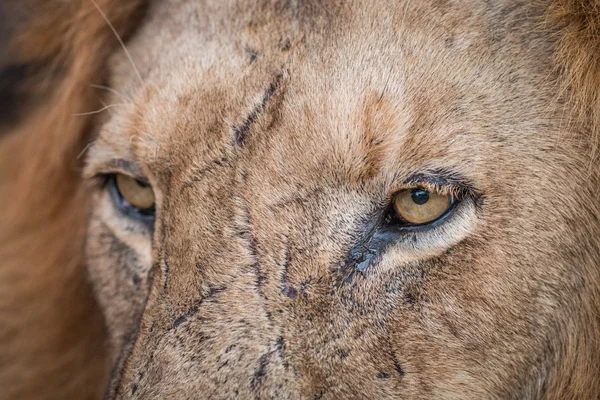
[[114, 91], [86, 148], [119, 39], [106, 107]]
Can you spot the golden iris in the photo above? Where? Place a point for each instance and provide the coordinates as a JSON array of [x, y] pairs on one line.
[[420, 206], [138, 194]]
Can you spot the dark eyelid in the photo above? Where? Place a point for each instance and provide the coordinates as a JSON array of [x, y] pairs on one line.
[[443, 178], [128, 167]]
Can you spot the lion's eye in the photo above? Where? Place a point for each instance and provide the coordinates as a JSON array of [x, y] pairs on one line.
[[132, 196], [419, 206]]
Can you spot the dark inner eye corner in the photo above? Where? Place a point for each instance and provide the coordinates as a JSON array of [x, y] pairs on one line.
[[384, 228]]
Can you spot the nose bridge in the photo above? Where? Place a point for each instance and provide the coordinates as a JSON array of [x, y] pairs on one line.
[[206, 325]]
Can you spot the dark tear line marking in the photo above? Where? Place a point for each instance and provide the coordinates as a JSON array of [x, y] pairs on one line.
[[241, 132]]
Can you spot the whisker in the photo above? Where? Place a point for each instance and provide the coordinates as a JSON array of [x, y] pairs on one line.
[[114, 91], [119, 39], [85, 149], [106, 107], [110, 105]]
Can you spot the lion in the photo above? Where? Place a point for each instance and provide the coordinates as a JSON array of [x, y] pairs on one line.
[[300, 199]]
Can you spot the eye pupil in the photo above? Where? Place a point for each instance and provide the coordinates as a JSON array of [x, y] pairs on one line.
[[418, 206], [419, 196]]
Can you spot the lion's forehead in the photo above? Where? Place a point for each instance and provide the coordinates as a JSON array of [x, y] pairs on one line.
[[361, 90], [286, 89]]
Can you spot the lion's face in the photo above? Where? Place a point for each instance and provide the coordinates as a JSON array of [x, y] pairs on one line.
[[272, 250]]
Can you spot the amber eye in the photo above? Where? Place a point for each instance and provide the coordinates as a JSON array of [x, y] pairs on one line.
[[133, 195], [419, 206]]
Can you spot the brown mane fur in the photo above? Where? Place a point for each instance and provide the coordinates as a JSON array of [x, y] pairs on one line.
[[51, 332]]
